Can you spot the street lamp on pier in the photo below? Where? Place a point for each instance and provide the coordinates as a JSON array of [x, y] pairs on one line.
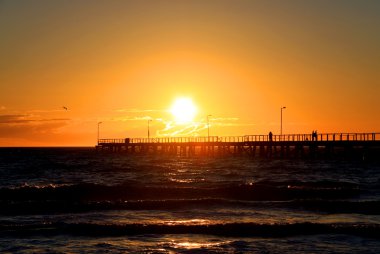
[[99, 123], [150, 120], [208, 128], [281, 119]]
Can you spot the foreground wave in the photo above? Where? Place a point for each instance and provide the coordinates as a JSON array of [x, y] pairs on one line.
[[253, 191], [232, 229], [55, 207]]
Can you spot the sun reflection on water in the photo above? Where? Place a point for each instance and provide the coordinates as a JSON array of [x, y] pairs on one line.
[[188, 180], [195, 242], [194, 245], [188, 222]]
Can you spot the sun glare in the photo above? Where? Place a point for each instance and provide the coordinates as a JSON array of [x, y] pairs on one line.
[[183, 110]]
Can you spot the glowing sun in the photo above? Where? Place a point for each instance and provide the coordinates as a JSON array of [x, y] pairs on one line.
[[183, 110]]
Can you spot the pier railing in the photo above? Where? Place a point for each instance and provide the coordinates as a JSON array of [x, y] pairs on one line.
[[375, 136], [319, 137]]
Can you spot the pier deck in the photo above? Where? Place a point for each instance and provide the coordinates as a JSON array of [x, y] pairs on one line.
[[280, 146]]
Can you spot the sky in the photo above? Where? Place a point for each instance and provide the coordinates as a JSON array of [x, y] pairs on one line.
[[67, 65]]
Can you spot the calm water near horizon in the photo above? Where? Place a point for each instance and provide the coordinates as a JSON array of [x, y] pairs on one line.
[[75, 200]]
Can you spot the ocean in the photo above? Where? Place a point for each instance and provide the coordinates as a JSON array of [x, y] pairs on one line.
[[77, 200]]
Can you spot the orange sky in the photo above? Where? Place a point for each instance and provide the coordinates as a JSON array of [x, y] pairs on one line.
[[124, 62]]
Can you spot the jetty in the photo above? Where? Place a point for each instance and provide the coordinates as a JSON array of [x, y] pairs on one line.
[[329, 145]]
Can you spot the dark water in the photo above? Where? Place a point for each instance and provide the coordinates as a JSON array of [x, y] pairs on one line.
[[74, 200]]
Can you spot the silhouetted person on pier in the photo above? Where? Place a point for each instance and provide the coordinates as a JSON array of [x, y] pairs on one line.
[[314, 136], [270, 136]]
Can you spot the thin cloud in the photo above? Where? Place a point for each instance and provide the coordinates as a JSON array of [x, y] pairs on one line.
[[224, 119], [33, 111], [23, 119], [132, 118], [12, 118], [30, 129], [233, 124], [170, 128], [139, 110], [173, 129]]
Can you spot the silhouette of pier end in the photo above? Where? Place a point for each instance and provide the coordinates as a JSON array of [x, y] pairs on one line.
[[325, 145]]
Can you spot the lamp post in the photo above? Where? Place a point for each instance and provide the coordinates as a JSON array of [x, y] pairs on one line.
[[148, 129], [281, 119], [99, 123], [208, 128]]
